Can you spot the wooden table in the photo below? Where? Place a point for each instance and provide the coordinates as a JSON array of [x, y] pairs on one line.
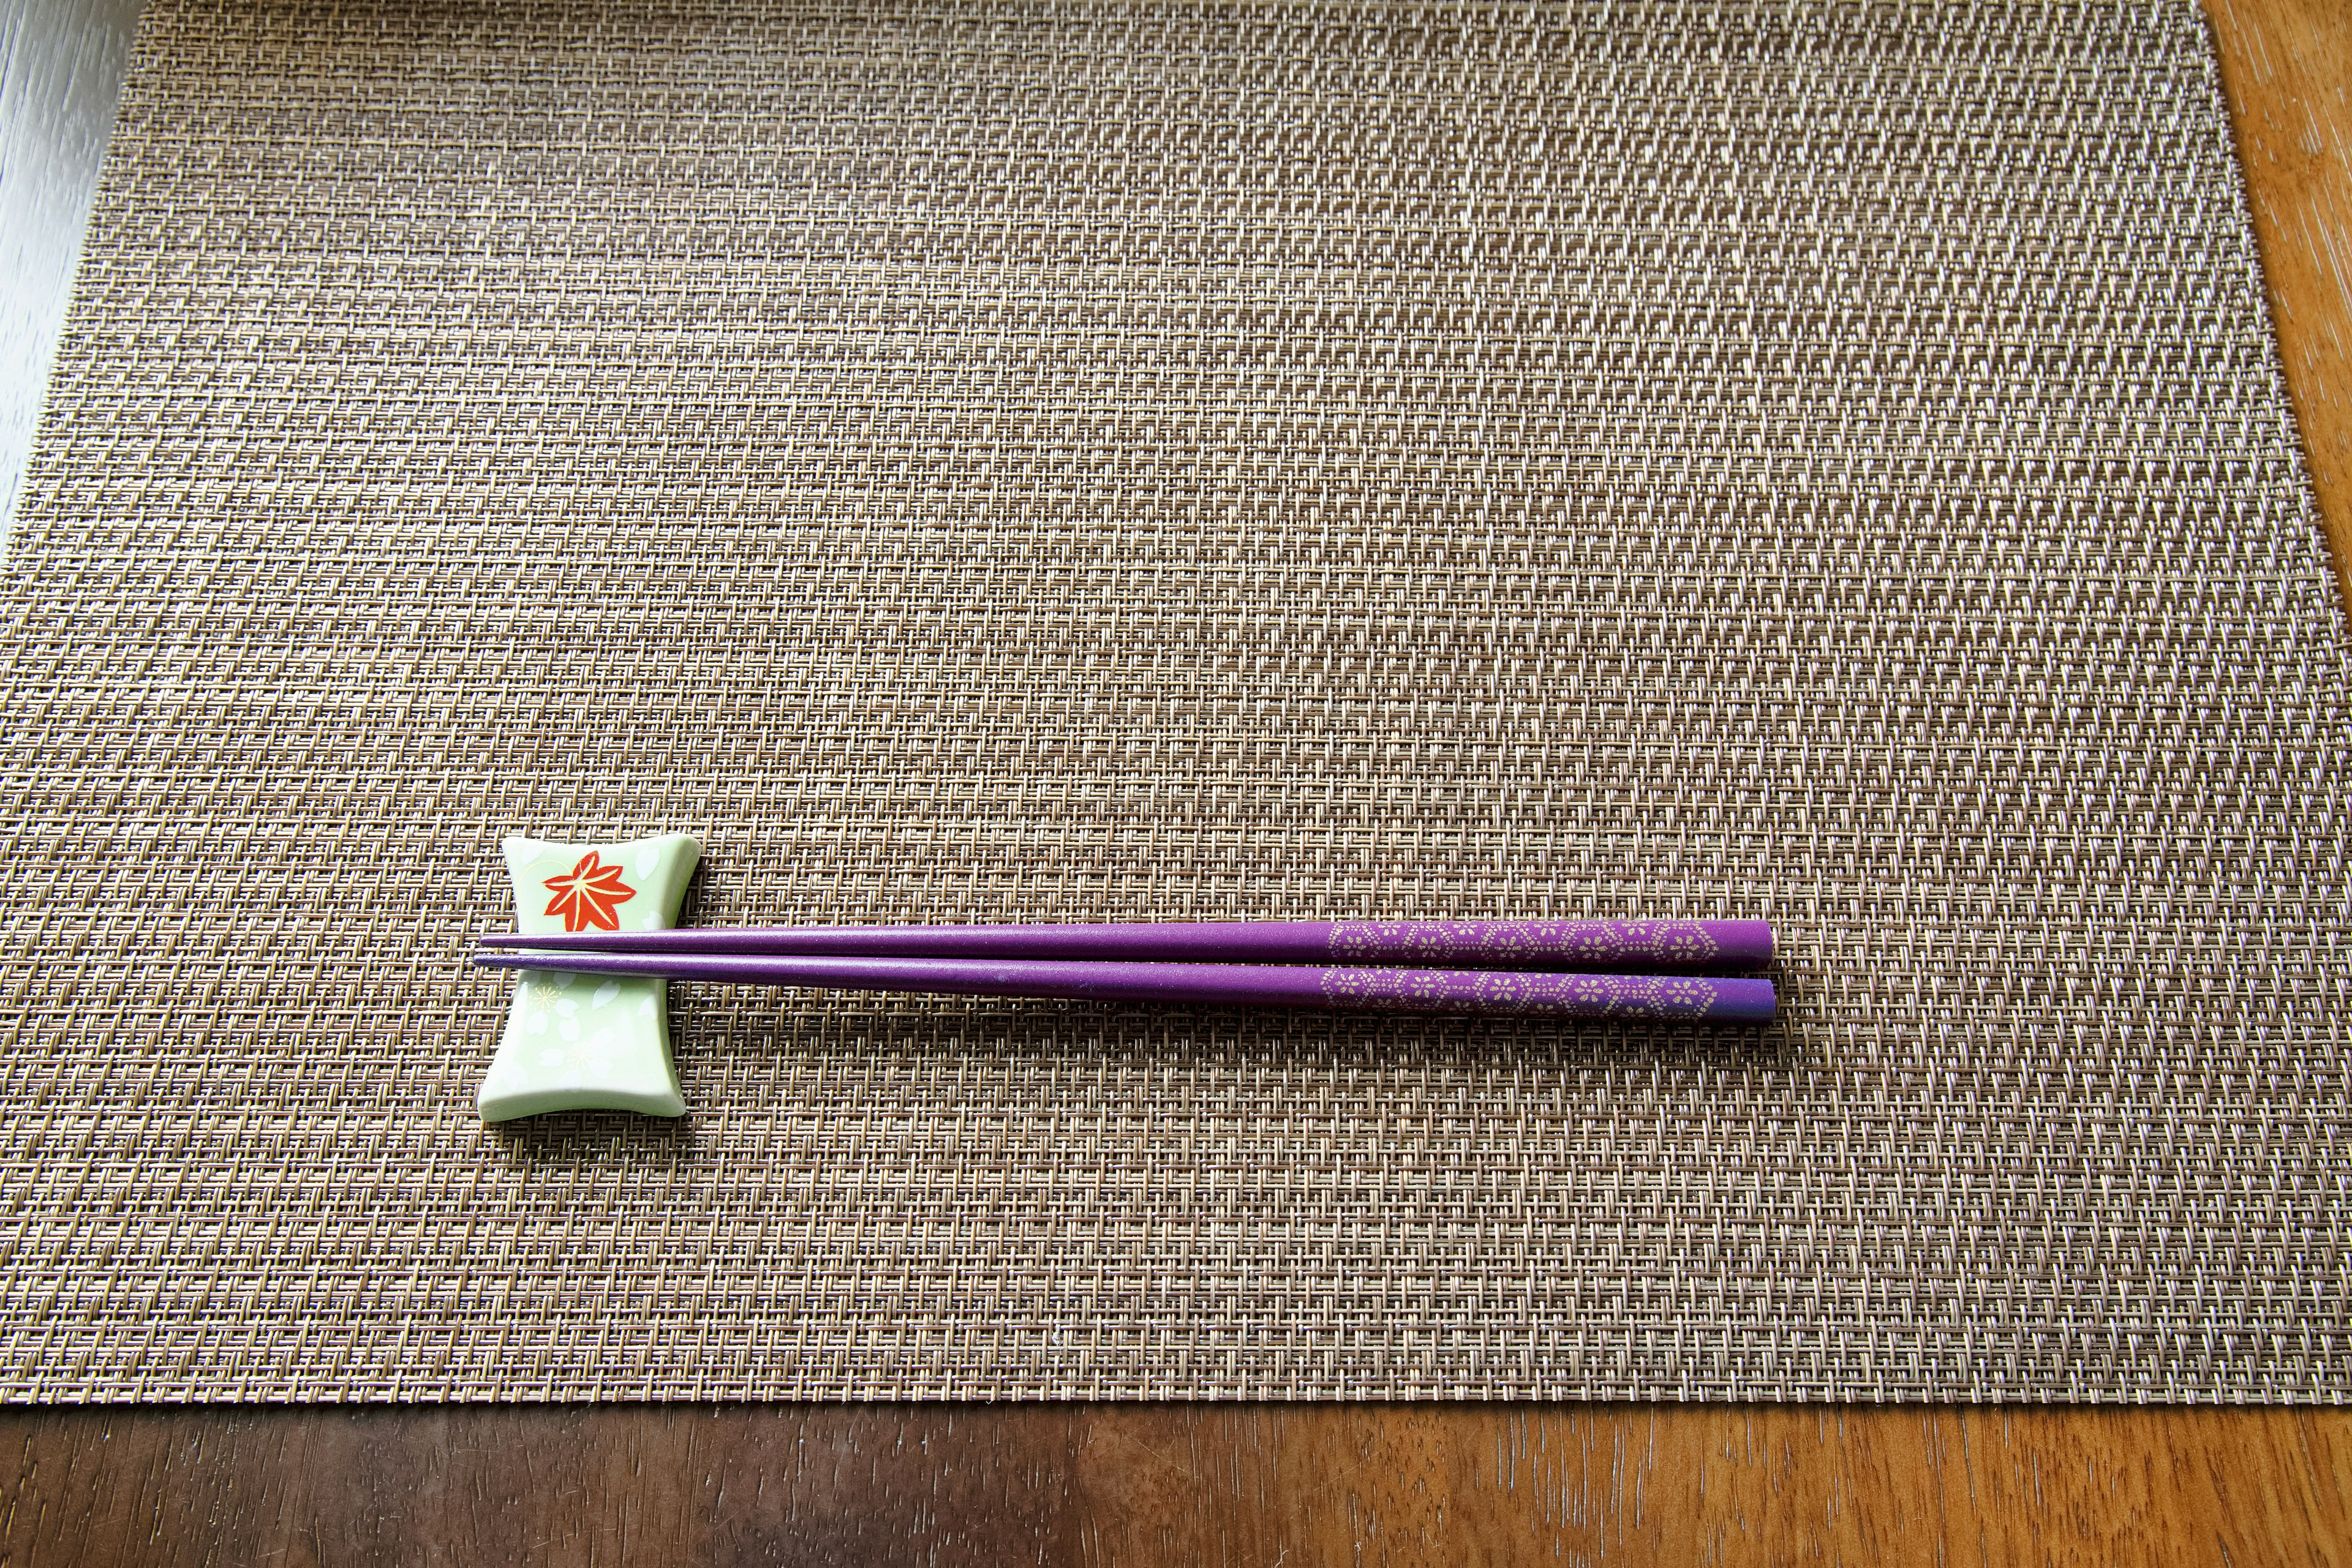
[[1359, 1484]]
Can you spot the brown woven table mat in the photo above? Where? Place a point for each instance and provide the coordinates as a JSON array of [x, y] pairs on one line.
[[1125, 460]]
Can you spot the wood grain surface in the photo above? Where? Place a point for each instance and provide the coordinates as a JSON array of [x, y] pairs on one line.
[[1603, 1484], [1192, 1485], [2288, 67]]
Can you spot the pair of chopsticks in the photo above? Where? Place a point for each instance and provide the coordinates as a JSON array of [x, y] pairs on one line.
[[1659, 969]]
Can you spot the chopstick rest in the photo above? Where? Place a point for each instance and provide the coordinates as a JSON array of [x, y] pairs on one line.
[[582, 1042]]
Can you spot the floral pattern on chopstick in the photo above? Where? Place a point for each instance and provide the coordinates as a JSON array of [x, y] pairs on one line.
[[1504, 991]]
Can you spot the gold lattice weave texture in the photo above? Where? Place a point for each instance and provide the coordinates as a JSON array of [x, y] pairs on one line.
[[1124, 460]]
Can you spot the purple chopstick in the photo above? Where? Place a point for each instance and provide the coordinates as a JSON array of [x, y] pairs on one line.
[[1716, 947], [1459, 991]]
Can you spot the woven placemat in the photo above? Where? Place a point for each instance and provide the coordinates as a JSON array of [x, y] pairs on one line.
[[1125, 460]]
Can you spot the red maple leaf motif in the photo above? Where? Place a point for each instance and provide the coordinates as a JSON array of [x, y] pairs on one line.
[[589, 895]]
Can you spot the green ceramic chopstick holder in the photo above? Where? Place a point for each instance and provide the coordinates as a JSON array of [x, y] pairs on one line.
[[584, 1042]]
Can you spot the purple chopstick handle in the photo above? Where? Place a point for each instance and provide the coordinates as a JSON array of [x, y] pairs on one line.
[[1480, 991], [1599, 945], [1556, 945], [1469, 992]]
